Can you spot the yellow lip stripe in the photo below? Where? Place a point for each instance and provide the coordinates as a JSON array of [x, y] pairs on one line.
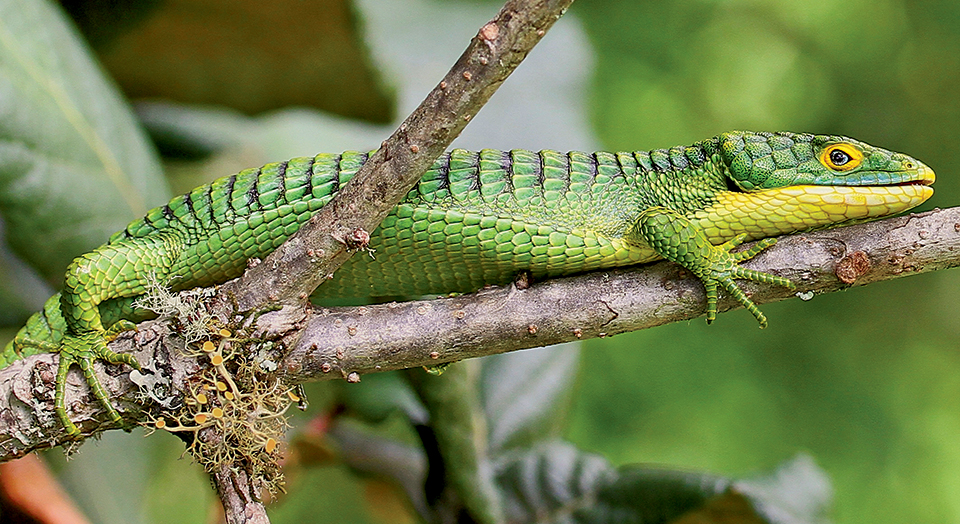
[[785, 210]]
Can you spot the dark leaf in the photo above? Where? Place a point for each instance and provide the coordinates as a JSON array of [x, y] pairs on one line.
[[548, 482], [798, 492]]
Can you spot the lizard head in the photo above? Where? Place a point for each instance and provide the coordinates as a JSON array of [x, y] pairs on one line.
[[758, 161], [785, 182]]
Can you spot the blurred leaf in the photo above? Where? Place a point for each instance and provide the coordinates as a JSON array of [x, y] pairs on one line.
[[797, 493], [102, 22], [323, 496], [546, 482], [250, 55], [380, 457], [556, 482], [177, 490], [526, 393], [107, 477], [192, 133], [22, 291], [74, 166]]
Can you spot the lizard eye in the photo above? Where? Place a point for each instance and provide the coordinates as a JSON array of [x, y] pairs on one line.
[[841, 157]]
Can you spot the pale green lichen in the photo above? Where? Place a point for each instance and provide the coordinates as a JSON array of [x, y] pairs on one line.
[[231, 395]]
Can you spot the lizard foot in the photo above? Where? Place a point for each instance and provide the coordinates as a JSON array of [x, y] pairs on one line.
[[83, 349], [674, 237], [724, 268]]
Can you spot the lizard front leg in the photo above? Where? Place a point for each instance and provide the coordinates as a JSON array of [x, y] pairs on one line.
[[676, 238]]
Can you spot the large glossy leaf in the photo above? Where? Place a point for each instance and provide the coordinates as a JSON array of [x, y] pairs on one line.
[[74, 165], [22, 292], [546, 483]]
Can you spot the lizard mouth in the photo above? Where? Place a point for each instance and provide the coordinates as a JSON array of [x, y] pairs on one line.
[[922, 175], [925, 176]]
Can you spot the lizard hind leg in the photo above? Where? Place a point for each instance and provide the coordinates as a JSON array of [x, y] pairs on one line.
[[112, 271]]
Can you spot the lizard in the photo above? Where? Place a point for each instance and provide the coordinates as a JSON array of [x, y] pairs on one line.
[[480, 218]]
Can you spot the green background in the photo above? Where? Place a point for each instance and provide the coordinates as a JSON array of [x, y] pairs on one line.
[[865, 380]]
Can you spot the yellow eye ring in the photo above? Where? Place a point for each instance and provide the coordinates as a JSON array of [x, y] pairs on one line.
[[841, 157]]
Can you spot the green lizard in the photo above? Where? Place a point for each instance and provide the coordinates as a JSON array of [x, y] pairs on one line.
[[480, 218]]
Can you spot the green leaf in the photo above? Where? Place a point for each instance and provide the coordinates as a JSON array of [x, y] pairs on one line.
[[557, 483], [74, 165], [526, 393]]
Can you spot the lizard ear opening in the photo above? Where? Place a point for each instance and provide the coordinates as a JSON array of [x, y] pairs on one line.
[[733, 185]]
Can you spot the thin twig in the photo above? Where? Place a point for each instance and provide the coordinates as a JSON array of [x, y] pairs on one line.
[[289, 274]]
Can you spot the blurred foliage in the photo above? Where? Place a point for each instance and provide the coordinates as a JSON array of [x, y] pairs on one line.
[[865, 381], [236, 53]]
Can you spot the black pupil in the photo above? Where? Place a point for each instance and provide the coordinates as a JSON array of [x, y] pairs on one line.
[[838, 157]]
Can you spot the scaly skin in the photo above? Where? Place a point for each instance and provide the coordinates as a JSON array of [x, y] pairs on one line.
[[480, 218]]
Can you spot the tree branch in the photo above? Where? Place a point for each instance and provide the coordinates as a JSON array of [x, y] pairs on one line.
[[337, 342], [334, 233]]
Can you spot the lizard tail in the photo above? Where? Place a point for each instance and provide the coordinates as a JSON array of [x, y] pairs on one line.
[[46, 326]]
